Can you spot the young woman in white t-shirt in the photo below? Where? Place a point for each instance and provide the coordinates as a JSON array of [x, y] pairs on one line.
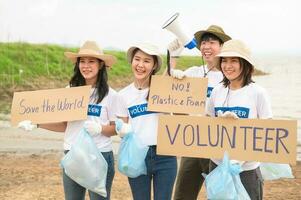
[[91, 69], [131, 107], [209, 42], [239, 97]]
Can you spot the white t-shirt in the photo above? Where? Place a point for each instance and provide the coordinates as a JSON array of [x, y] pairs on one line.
[[250, 102], [101, 113], [132, 103], [214, 77]]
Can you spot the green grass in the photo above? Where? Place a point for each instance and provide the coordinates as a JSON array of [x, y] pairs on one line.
[[25, 66], [23, 62]]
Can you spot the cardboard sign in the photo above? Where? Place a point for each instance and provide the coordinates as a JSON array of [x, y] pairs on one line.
[[244, 139], [168, 94], [47, 106]]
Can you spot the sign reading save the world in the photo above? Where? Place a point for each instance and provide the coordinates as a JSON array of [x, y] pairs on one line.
[[54, 105]]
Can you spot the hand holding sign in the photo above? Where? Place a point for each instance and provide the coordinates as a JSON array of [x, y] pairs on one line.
[[27, 125], [227, 114], [176, 73]]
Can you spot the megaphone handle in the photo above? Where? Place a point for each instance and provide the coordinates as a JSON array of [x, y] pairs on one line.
[[168, 62]]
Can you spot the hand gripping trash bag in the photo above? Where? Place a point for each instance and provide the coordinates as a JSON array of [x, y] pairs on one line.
[[85, 164], [273, 171], [224, 182], [131, 156]]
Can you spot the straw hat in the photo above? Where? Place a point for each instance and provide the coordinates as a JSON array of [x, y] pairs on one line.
[[213, 29], [90, 49], [148, 49], [236, 48]]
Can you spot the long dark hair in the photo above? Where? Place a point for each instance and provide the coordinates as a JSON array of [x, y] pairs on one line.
[[102, 86], [245, 75]]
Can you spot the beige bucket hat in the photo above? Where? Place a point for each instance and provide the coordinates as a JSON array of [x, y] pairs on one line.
[[148, 49], [236, 48], [90, 49], [213, 29]]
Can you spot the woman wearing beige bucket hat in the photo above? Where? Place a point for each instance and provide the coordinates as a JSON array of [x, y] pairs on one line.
[[239, 97], [131, 108], [209, 42], [90, 68]]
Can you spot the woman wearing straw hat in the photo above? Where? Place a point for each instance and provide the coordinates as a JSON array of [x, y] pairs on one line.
[[90, 68], [239, 97], [131, 108], [209, 42]]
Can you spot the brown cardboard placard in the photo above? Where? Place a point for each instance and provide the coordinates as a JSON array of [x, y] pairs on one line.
[[168, 94], [244, 139], [48, 106]]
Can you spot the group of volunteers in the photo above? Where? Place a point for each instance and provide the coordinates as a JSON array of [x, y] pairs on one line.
[[228, 65]]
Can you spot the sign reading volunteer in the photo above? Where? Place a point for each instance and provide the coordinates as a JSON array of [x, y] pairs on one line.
[[168, 94], [243, 139], [47, 106]]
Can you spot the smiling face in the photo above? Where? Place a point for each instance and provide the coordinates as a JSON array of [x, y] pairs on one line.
[[209, 49], [142, 65], [89, 68], [231, 69]]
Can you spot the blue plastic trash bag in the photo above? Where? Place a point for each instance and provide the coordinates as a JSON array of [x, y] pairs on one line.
[[85, 164], [273, 171], [224, 182], [241, 191], [131, 156]]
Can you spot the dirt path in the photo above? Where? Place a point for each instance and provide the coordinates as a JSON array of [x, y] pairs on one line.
[[38, 176]]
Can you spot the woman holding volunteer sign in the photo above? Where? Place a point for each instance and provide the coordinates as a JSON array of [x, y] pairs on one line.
[[209, 42], [237, 96], [131, 107], [90, 68]]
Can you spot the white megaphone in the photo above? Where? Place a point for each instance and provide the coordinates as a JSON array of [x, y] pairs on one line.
[[173, 26]]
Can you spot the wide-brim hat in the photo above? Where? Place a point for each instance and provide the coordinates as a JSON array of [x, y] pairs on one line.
[[236, 48], [213, 29], [91, 49], [148, 49]]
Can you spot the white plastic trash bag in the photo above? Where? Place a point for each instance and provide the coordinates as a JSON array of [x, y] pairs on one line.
[[85, 164], [273, 171]]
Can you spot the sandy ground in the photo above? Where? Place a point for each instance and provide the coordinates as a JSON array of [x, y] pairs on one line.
[[29, 169]]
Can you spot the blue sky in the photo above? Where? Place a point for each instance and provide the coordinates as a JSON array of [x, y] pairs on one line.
[[267, 26]]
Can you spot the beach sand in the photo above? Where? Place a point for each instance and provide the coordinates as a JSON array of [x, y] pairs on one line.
[[29, 169]]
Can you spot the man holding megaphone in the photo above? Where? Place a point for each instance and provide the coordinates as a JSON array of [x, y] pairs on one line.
[[209, 42]]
